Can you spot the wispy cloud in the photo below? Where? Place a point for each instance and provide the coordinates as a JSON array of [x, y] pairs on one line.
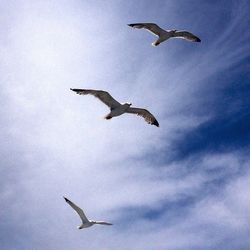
[[168, 188]]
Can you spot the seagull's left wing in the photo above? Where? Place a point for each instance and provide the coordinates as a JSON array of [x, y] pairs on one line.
[[186, 35], [151, 27], [103, 96], [149, 118], [78, 210]]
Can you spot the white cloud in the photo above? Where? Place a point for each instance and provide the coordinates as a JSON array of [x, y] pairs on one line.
[[58, 144]]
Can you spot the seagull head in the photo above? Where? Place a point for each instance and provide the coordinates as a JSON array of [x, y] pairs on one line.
[[80, 227], [128, 103]]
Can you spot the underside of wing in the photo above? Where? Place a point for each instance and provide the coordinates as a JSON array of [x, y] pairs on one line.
[[149, 118], [78, 210], [103, 96], [186, 35], [104, 223], [151, 27]]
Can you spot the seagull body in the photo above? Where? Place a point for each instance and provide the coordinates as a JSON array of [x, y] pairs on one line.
[[118, 111], [116, 108], [85, 221], [164, 35]]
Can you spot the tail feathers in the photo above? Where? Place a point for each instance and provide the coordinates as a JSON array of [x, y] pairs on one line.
[[108, 117]]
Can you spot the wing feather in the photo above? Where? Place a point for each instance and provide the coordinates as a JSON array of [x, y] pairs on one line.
[[78, 210], [103, 96], [149, 118], [151, 27], [186, 35], [104, 223]]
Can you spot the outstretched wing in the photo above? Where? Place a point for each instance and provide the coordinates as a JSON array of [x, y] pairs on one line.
[[103, 96], [186, 35], [104, 223], [149, 118], [78, 210], [151, 27]]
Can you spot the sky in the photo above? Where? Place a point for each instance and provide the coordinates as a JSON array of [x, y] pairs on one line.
[[184, 185]]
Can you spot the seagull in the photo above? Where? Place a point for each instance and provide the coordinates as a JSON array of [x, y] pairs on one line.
[[164, 35], [85, 221], [117, 108]]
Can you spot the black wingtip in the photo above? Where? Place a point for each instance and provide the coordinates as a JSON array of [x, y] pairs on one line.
[[130, 25], [198, 40], [156, 123], [76, 90], [65, 199]]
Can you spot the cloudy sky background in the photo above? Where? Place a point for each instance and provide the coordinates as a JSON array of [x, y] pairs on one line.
[[185, 185]]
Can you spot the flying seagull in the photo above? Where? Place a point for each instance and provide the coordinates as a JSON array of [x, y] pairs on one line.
[[85, 221], [164, 35], [117, 108]]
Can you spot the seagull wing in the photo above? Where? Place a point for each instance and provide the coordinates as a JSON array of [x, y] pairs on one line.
[[103, 223], [103, 96], [78, 210], [149, 118], [151, 27], [186, 35]]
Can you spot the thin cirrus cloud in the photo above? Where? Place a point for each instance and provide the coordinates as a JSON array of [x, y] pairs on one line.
[[56, 143]]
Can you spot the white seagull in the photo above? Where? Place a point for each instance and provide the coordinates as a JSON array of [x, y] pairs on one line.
[[85, 221], [164, 35], [117, 108]]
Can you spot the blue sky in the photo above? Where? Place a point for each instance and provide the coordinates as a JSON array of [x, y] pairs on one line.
[[185, 185]]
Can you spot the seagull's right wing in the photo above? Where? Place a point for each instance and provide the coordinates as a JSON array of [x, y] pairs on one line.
[[103, 96], [78, 210], [148, 117], [186, 35], [151, 27], [103, 223]]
